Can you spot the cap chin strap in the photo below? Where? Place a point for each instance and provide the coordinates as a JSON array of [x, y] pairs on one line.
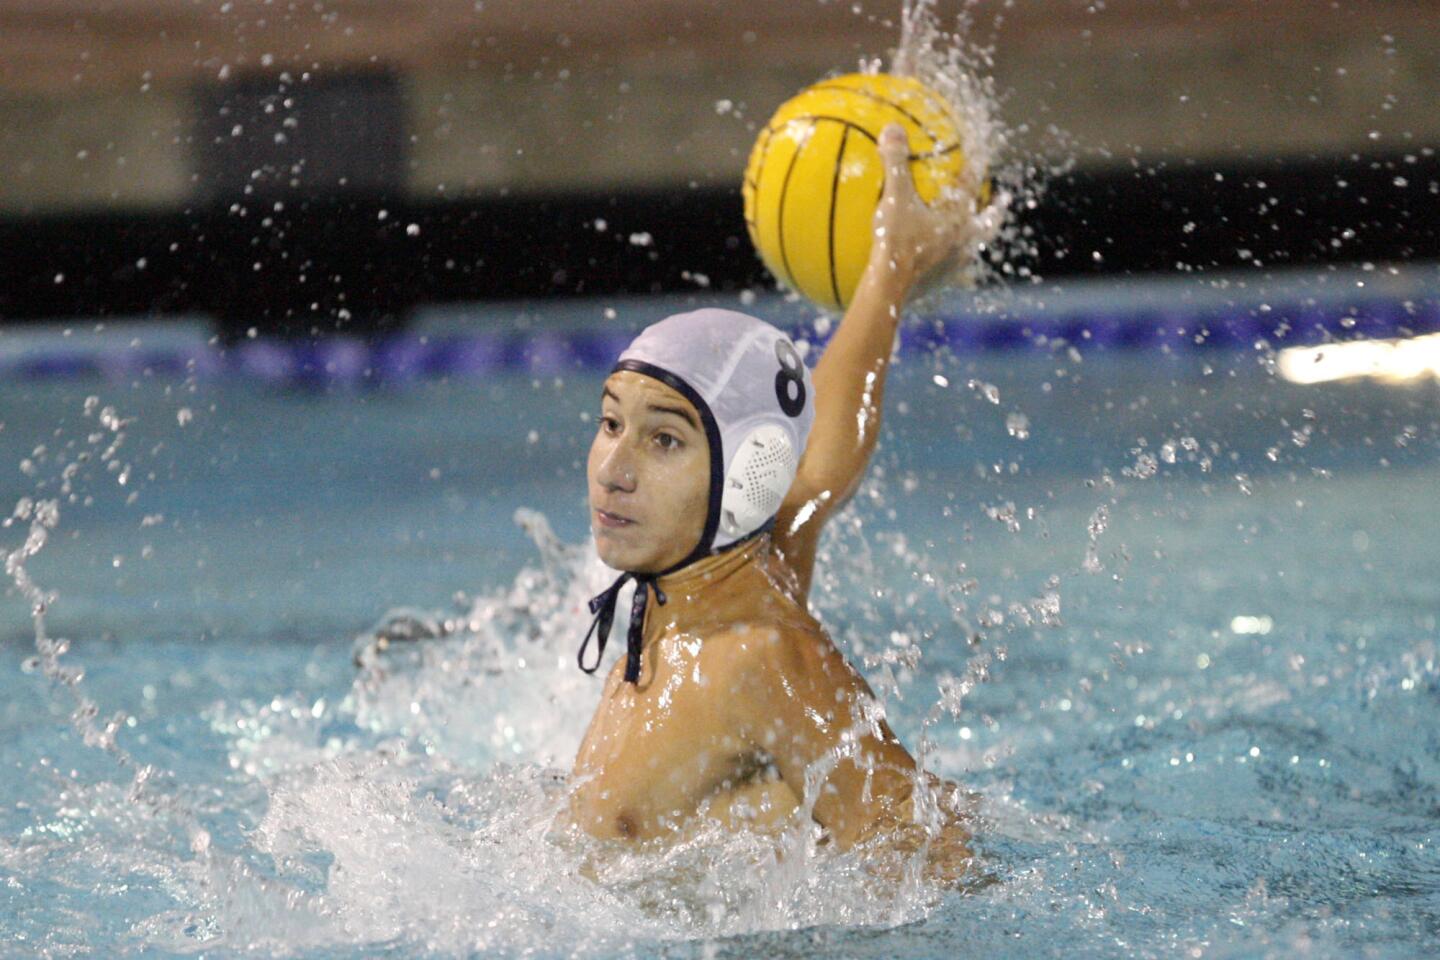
[[602, 605]]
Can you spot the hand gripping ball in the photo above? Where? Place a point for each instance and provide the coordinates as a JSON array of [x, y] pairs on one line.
[[815, 176]]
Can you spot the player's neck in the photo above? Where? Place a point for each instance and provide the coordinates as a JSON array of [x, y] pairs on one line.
[[707, 573]]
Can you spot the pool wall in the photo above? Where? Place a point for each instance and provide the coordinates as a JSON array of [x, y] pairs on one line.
[[554, 337]]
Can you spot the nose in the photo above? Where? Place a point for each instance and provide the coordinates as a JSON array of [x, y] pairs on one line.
[[617, 468]]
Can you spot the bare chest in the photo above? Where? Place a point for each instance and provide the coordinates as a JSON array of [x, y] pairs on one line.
[[657, 750]]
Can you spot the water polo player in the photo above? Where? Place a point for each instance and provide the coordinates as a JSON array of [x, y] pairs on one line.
[[717, 460]]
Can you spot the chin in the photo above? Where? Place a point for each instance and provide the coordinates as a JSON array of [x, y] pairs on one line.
[[620, 556]]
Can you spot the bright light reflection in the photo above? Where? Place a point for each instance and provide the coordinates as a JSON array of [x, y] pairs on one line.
[[1382, 359], [1261, 625]]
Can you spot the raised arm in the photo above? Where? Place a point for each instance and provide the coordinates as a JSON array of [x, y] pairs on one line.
[[911, 239]]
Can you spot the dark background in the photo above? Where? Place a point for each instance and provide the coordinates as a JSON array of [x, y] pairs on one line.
[[298, 173]]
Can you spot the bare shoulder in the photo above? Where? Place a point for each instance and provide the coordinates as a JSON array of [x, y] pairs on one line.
[[791, 651], [738, 647]]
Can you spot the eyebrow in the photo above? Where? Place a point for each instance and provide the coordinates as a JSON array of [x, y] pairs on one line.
[[680, 412]]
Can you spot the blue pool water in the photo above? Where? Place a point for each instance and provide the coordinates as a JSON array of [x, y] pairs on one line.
[[1199, 603]]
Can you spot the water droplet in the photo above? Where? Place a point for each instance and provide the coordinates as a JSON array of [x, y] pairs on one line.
[[987, 390]]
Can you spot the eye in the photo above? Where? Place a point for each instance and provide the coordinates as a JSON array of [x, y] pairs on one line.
[[608, 424], [668, 441]]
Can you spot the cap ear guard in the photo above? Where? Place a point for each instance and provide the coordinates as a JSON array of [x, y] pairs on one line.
[[760, 475]]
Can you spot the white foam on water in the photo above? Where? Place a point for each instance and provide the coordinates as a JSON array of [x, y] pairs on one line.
[[436, 814]]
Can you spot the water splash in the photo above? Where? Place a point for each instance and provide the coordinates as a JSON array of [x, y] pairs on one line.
[[1099, 521], [453, 745], [146, 826], [43, 517], [959, 70]]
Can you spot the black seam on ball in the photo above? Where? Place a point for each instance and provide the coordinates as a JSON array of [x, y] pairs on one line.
[[813, 120], [763, 150], [852, 125], [784, 190], [932, 154], [879, 99], [848, 124], [835, 202], [752, 224]]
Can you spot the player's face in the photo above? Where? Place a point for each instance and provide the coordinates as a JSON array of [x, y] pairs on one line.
[[649, 475]]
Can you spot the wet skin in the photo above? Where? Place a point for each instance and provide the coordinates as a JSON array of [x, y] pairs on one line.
[[739, 685], [742, 694]]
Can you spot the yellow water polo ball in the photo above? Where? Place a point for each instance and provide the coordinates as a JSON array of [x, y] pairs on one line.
[[815, 176]]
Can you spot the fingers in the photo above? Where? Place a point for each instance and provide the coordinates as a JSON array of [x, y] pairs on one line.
[[895, 154], [919, 237], [970, 228]]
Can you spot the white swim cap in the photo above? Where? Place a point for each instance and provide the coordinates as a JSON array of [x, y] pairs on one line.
[[755, 401]]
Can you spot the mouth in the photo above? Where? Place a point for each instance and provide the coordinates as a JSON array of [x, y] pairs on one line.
[[612, 520]]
